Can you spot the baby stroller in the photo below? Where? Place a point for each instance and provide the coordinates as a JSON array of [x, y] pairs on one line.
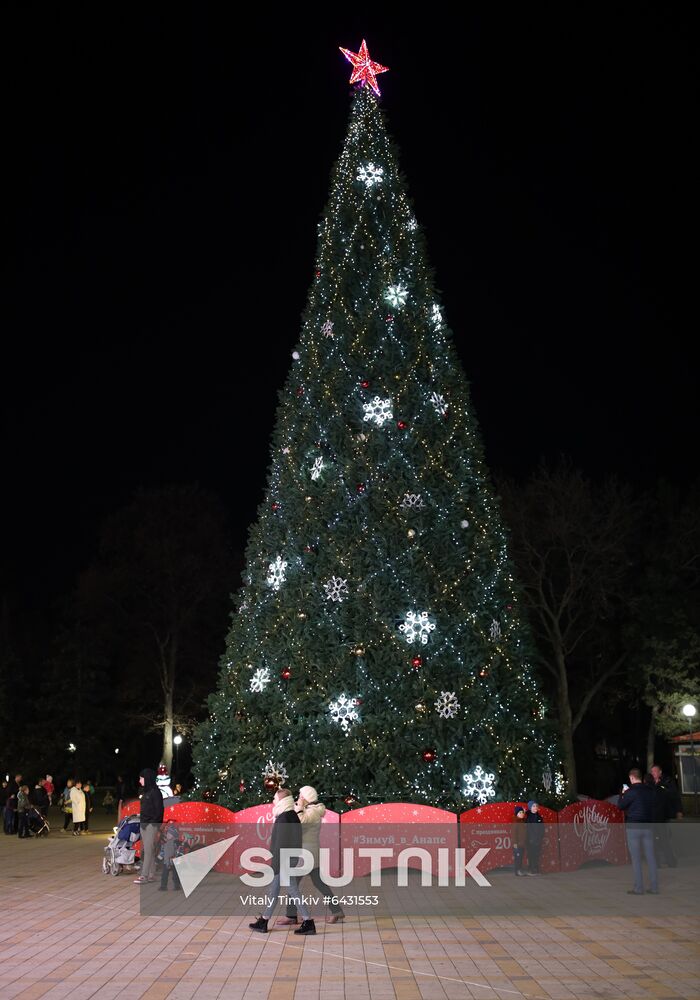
[[37, 823], [120, 852]]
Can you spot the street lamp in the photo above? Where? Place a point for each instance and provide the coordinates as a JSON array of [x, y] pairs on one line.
[[690, 711], [72, 748], [177, 740], [116, 749]]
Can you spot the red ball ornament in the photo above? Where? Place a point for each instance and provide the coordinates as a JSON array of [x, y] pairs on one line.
[[318, 274], [417, 662], [275, 506], [365, 383], [402, 425], [241, 787], [428, 756], [270, 783], [286, 674], [360, 487], [358, 701], [349, 800], [300, 390], [390, 318]]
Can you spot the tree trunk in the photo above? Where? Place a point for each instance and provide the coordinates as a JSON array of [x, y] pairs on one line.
[[651, 736], [566, 728], [168, 727]]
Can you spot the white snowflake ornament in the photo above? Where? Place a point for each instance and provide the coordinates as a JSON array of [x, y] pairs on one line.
[[378, 410], [436, 315], [317, 468], [417, 625], [396, 295], [447, 705], [277, 772], [370, 174], [277, 573], [495, 630], [260, 679], [479, 785], [439, 404], [327, 328], [336, 589], [344, 712], [412, 501]]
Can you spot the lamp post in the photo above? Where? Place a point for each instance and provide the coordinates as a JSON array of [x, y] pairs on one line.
[[177, 740], [689, 711]]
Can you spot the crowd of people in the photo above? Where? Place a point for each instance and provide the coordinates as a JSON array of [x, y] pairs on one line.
[[25, 808]]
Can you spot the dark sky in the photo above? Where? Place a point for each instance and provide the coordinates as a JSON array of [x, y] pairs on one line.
[[166, 173]]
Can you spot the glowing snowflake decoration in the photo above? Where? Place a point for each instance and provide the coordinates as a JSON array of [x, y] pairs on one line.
[[495, 630], [438, 401], [412, 224], [479, 785], [378, 410], [277, 574], [412, 501], [447, 705], [336, 589], [547, 778], [417, 625], [370, 174], [344, 712], [559, 783], [436, 315], [396, 295], [278, 773], [317, 468], [327, 328], [260, 679]]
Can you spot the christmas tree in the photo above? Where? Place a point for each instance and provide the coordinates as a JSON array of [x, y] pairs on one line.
[[377, 650]]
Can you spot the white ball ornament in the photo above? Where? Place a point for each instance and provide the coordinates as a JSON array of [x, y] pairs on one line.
[[296, 355], [464, 524]]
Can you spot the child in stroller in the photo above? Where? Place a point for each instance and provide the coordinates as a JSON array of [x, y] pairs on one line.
[[120, 852], [37, 823]]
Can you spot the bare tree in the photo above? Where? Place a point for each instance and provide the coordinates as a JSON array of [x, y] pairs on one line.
[[165, 569], [570, 544]]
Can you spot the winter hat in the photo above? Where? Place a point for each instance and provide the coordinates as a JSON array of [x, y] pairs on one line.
[[309, 793], [519, 809], [530, 804]]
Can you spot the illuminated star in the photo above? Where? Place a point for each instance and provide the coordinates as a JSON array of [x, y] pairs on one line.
[[363, 69]]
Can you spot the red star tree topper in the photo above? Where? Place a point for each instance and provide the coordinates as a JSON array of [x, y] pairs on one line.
[[363, 69]]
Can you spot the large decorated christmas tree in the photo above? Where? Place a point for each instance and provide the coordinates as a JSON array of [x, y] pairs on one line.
[[377, 648]]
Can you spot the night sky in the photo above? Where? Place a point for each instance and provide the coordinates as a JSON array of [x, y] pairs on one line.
[[166, 174]]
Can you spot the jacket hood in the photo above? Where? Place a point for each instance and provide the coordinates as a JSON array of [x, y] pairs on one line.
[[149, 778]]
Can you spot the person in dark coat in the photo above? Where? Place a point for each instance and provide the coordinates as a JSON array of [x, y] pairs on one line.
[[519, 840], [286, 832], [40, 798], [120, 794], [534, 836], [151, 819], [637, 802], [667, 793]]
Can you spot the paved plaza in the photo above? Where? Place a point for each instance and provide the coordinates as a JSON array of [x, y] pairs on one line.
[[70, 931]]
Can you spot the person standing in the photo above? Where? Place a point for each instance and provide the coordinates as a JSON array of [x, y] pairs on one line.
[[88, 790], [669, 807], [41, 799], [636, 801], [48, 786], [77, 799], [151, 819], [534, 836], [311, 812], [286, 833], [519, 840], [120, 793], [67, 804], [23, 807]]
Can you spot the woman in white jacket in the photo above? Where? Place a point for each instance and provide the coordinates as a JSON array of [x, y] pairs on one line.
[[311, 813], [77, 798]]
